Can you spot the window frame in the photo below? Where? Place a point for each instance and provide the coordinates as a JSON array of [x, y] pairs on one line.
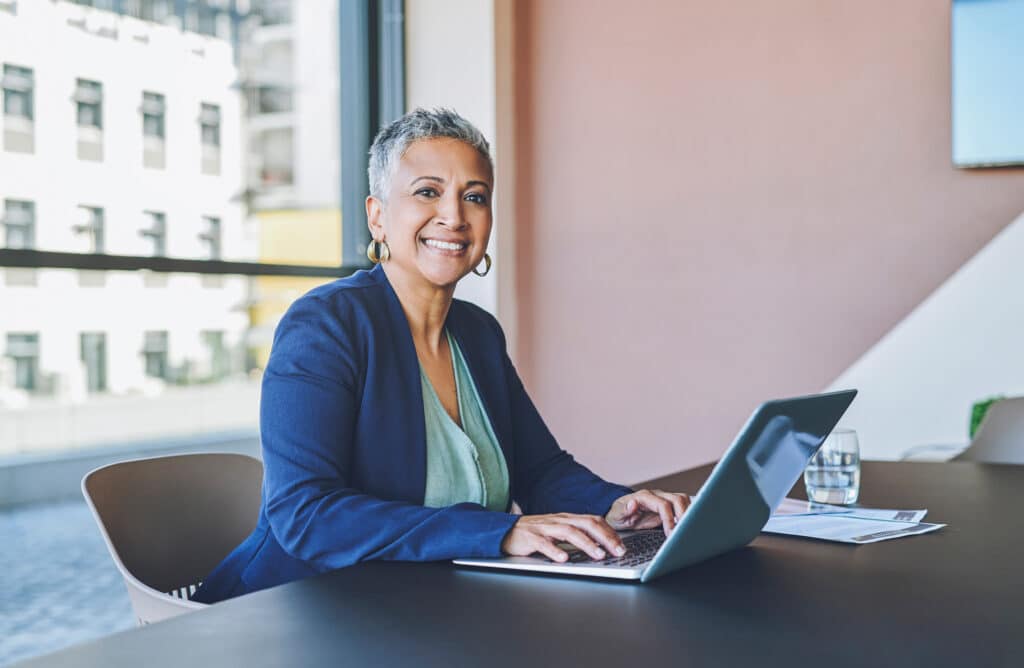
[[32, 360], [85, 90], [94, 353], [25, 89], [29, 224], [154, 108]]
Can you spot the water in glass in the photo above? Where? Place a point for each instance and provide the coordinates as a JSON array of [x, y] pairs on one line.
[[833, 475]]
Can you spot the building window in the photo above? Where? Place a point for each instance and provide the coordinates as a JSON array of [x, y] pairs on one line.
[[91, 227], [89, 112], [149, 10], [18, 85], [154, 352], [89, 102], [211, 237], [19, 109], [273, 12], [276, 150], [94, 357], [156, 233], [209, 124], [209, 137], [24, 350], [19, 224], [217, 354], [154, 116], [153, 113], [203, 19]]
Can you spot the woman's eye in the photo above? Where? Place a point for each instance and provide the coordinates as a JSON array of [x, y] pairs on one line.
[[427, 192], [479, 198]]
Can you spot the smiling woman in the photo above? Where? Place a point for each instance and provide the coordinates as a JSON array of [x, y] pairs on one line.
[[393, 423]]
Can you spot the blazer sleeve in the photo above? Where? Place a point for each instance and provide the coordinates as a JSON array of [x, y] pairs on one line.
[[308, 416], [547, 478]]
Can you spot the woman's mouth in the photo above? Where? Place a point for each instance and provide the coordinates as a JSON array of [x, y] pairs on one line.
[[445, 247]]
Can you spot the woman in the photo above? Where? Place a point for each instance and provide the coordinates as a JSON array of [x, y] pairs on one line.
[[393, 423]]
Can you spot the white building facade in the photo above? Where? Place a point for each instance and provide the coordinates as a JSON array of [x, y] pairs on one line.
[[123, 140]]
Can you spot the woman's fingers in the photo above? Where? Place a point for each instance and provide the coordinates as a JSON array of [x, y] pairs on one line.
[[598, 529], [680, 502], [660, 506], [580, 539], [547, 547]]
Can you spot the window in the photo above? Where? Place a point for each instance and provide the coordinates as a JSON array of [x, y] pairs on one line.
[[153, 111], [242, 248], [209, 137], [89, 101], [269, 99], [156, 233], [89, 113], [209, 124], [91, 228], [153, 129], [273, 12], [19, 109], [211, 237], [277, 153], [203, 19], [18, 84], [94, 358], [149, 10], [154, 352], [19, 224], [217, 354], [24, 350]]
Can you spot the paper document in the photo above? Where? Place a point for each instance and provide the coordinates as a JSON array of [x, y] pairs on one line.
[[797, 507], [844, 524], [845, 528]]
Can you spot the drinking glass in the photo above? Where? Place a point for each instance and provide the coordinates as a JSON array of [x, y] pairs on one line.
[[833, 475]]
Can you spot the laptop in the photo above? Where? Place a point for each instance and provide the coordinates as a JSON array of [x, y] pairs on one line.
[[749, 481]]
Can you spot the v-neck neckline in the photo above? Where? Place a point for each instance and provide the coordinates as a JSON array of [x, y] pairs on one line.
[[458, 388]]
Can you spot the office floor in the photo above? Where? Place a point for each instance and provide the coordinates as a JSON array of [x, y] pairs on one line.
[[58, 586]]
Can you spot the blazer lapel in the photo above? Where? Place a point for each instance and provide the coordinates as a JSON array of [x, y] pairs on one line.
[[409, 444]]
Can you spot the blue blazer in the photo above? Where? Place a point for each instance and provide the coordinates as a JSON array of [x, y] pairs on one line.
[[344, 444]]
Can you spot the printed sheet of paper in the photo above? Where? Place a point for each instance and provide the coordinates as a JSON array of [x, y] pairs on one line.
[[797, 507], [845, 528]]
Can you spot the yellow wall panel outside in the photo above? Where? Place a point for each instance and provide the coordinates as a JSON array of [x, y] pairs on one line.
[[306, 237]]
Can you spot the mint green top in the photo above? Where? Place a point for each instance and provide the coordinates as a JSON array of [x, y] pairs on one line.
[[464, 463]]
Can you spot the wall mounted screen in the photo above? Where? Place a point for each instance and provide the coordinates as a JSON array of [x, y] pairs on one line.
[[988, 82]]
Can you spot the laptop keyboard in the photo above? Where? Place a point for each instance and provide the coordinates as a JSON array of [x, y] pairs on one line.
[[640, 548]]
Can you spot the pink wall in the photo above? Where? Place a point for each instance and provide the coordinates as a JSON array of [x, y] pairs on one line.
[[723, 202]]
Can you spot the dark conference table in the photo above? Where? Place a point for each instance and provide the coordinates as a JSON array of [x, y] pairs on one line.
[[949, 598]]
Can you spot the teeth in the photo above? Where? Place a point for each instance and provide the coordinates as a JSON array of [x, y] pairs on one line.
[[443, 245]]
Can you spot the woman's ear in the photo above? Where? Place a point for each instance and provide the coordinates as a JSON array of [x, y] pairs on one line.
[[374, 209]]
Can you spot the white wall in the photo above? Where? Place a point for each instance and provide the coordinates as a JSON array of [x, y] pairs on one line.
[[965, 342], [450, 62]]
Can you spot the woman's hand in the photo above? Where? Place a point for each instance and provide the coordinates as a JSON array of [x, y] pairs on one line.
[[647, 509], [543, 533]]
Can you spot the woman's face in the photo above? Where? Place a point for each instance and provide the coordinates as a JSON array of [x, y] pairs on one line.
[[437, 215]]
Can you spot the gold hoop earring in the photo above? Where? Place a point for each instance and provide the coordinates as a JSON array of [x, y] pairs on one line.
[[487, 267], [378, 251]]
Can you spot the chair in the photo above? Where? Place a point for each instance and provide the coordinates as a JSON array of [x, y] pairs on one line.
[[1000, 438], [168, 521]]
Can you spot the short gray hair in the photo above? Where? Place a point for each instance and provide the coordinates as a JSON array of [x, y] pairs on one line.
[[395, 138]]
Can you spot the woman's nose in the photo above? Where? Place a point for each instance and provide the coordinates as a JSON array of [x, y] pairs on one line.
[[449, 212]]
